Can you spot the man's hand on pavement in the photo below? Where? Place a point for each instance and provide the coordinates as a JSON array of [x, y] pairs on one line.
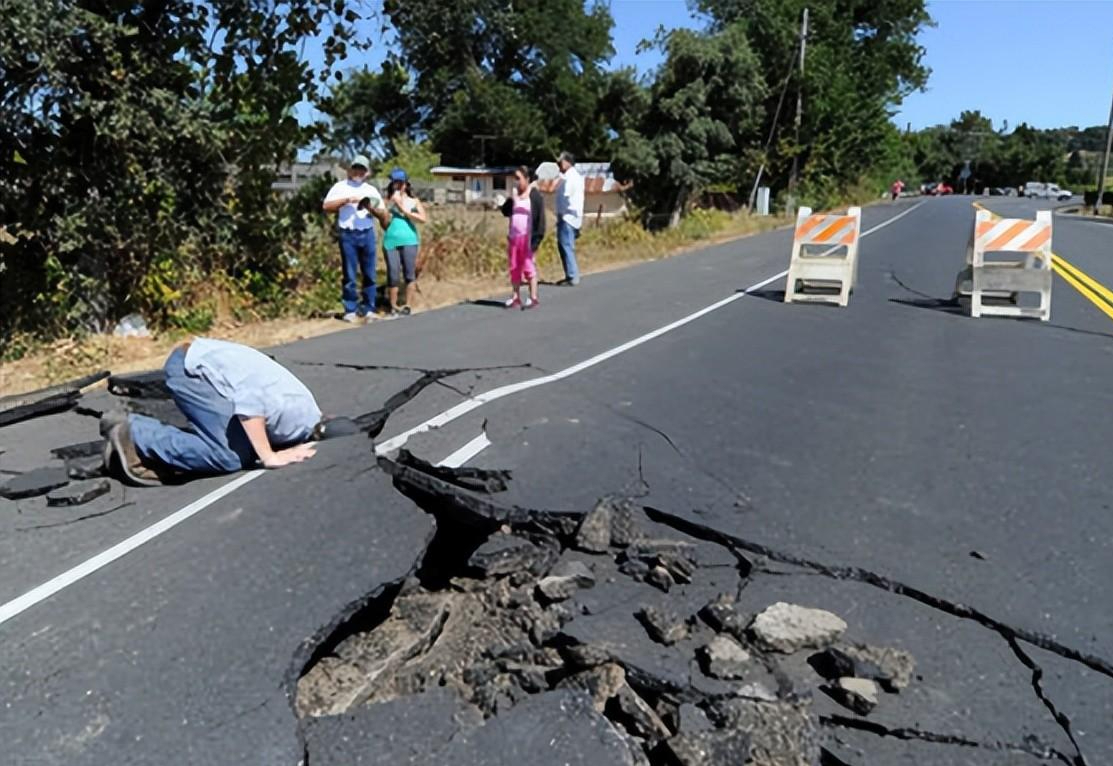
[[295, 454]]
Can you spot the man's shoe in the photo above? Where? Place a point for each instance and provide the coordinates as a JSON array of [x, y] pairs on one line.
[[350, 317], [121, 446], [574, 282]]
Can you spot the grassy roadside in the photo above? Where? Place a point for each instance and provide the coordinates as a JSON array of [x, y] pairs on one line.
[[463, 262]]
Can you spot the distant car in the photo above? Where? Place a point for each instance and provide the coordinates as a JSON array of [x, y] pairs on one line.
[[1039, 190], [1054, 192], [928, 188]]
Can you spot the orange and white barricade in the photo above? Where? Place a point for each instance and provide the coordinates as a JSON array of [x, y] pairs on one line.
[[1025, 269], [824, 255]]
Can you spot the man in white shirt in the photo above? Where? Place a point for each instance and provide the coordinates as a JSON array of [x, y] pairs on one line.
[[357, 204], [570, 215]]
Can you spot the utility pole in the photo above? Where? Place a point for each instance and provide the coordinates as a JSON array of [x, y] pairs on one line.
[[483, 139], [799, 108], [1105, 162]]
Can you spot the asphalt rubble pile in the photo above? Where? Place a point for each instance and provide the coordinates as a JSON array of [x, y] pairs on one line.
[[563, 638]]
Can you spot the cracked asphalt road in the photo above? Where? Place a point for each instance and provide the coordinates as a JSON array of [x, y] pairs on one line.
[[893, 435]]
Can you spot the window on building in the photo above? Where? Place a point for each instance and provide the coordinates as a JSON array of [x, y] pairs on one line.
[[459, 179], [499, 182]]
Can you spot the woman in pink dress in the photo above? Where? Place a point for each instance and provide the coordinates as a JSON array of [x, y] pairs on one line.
[[526, 210]]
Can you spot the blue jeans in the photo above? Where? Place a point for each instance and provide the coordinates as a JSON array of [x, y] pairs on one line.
[[219, 444], [357, 251], [566, 244]]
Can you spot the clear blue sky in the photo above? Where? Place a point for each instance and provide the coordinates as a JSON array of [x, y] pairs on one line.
[[1045, 62]]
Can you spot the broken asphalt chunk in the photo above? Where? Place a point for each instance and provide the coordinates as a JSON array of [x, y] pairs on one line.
[[663, 626], [85, 467], [141, 385], [724, 658], [639, 718], [784, 733], [565, 578], [594, 532], [717, 747], [788, 628], [892, 668], [34, 483], [601, 682], [690, 719], [485, 480], [504, 554], [723, 616], [79, 493], [857, 694]]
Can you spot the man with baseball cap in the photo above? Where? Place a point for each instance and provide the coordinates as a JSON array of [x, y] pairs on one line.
[[357, 204]]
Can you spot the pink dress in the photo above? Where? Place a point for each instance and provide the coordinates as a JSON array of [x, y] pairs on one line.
[[517, 250]]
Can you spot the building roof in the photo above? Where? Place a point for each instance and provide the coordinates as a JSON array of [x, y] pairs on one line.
[[448, 170], [598, 179]]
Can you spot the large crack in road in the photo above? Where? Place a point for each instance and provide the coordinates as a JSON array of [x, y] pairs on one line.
[[509, 610]]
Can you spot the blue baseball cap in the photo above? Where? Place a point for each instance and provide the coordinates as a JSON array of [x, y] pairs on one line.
[[398, 175]]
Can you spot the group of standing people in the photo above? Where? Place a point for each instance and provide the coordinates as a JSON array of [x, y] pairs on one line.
[[358, 205]]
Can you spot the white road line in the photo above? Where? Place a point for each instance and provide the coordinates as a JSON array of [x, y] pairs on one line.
[[467, 452], [84, 569], [87, 567]]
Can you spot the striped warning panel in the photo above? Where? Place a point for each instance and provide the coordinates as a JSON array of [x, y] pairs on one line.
[[1015, 235], [827, 229]]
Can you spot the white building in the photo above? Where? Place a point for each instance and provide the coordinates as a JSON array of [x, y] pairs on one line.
[[603, 195]]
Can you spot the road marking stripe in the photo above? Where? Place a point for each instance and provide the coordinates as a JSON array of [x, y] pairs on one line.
[[1083, 290], [87, 567], [1090, 289], [1094, 285], [467, 452], [104, 558]]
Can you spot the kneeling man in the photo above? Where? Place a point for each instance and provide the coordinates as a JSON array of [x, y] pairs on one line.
[[244, 409]]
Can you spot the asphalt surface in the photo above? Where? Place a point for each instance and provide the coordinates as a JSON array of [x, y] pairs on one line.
[[965, 457]]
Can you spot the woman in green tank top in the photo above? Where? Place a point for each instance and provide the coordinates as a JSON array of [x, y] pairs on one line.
[[401, 238]]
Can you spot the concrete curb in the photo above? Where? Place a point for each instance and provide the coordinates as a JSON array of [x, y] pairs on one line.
[[1061, 213]]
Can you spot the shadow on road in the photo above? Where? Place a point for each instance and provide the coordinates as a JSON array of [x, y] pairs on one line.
[[954, 308]]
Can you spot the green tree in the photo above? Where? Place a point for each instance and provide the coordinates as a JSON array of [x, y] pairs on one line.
[[138, 143], [704, 106], [530, 74], [370, 111], [863, 57]]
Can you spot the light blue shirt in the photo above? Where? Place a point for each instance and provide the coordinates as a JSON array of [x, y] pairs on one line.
[[257, 386]]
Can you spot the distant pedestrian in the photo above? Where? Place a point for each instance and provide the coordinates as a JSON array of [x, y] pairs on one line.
[[244, 410], [570, 216], [896, 189], [401, 239], [357, 205], [526, 210]]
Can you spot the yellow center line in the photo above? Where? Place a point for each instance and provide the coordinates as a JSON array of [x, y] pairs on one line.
[[1089, 288]]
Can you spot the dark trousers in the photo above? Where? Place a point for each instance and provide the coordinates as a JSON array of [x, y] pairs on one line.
[[357, 251]]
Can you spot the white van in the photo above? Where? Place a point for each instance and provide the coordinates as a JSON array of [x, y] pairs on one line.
[[1039, 190]]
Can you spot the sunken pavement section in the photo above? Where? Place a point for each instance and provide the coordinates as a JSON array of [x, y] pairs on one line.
[[620, 635]]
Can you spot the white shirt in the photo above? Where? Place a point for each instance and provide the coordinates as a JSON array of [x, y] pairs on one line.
[[350, 217], [570, 198]]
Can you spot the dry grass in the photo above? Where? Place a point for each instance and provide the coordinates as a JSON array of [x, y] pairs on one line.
[[603, 248]]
